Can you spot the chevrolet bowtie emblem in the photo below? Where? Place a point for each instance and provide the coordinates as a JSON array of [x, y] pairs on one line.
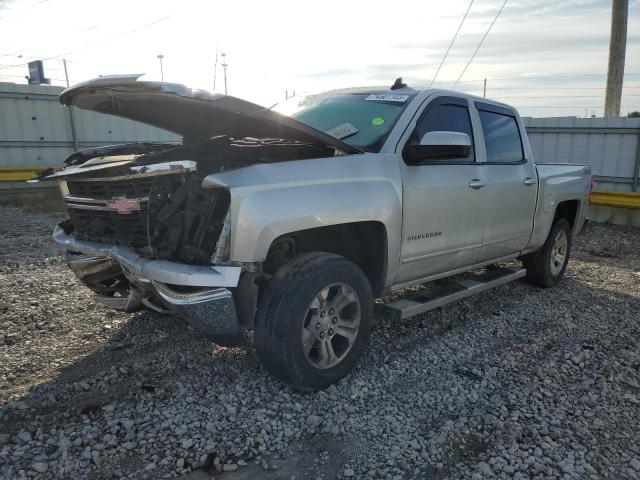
[[123, 205]]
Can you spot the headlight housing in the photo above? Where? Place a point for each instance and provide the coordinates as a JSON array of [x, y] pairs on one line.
[[64, 188]]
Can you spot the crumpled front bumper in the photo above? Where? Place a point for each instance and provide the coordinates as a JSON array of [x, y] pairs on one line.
[[198, 293]]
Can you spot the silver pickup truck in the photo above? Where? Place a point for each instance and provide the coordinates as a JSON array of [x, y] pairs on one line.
[[291, 225]]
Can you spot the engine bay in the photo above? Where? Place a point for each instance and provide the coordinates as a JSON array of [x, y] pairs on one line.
[[149, 196]]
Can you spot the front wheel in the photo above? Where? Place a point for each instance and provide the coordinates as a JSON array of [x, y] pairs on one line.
[[314, 320], [546, 267]]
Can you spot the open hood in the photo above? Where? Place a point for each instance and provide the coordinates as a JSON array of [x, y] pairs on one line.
[[194, 114]]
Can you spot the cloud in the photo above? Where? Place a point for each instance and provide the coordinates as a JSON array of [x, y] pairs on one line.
[[527, 8], [324, 44]]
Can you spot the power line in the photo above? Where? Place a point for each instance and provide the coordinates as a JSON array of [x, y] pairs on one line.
[[559, 96], [451, 44], [18, 56], [541, 77], [564, 88], [137, 29], [529, 77], [147, 25], [572, 106], [22, 77], [481, 42], [48, 68], [14, 66]]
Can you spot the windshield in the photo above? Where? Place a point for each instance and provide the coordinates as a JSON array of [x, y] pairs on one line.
[[363, 120]]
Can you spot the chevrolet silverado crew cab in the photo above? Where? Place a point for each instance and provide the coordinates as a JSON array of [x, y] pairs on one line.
[[291, 225]]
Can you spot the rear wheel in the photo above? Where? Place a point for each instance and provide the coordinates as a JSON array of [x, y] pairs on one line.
[[314, 320], [546, 267]]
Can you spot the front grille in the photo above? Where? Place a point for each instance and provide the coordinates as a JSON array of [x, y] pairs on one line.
[[104, 190], [110, 227], [173, 218]]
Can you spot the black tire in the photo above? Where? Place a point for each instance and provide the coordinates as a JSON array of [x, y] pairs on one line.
[[539, 264], [285, 307]]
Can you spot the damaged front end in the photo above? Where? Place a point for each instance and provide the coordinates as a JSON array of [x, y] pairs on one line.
[[143, 236], [142, 231], [124, 280]]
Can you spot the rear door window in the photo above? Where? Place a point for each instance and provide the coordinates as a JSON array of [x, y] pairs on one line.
[[502, 137]]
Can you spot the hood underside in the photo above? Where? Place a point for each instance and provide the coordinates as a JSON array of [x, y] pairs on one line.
[[194, 114]]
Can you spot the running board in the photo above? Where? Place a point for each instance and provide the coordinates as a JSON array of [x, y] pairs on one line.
[[470, 285]]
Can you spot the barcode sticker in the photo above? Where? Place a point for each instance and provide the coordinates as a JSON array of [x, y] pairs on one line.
[[342, 131], [387, 97]]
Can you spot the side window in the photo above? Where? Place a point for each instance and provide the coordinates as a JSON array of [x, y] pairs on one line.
[[451, 118], [502, 137]]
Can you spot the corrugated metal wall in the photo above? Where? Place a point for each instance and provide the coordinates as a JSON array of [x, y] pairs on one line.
[[611, 146], [35, 130]]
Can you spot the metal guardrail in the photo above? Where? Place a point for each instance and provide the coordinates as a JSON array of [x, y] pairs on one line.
[[18, 174], [616, 199]]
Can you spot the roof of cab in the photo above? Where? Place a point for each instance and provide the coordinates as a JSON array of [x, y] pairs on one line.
[[409, 90]]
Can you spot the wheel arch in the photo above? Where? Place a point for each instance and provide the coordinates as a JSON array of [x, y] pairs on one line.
[[365, 243], [568, 210]]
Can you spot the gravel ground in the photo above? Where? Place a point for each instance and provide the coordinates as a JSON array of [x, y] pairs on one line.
[[519, 382]]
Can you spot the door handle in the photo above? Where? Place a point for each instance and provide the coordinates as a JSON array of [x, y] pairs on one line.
[[529, 181], [476, 184]]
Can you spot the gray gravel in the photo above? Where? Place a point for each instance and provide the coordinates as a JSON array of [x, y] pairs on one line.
[[516, 383]]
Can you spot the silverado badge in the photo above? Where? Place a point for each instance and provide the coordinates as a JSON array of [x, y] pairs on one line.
[[418, 236]]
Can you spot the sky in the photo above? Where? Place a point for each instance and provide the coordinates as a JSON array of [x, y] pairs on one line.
[[546, 57]]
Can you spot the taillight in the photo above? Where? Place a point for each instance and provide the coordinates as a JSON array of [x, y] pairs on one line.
[[593, 184]]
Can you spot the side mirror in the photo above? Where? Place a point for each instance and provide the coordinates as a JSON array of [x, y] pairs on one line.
[[439, 146]]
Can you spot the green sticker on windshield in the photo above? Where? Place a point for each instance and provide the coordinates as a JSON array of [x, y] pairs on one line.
[[377, 121]]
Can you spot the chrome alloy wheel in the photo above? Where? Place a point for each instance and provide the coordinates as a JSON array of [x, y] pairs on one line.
[[331, 325], [558, 253]]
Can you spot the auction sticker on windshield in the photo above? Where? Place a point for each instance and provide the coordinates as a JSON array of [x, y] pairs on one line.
[[387, 97], [342, 131]]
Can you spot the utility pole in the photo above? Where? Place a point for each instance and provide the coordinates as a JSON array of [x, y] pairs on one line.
[[215, 70], [160, 57], [74, 137], [617, 47], [224, 68], [484, 91]]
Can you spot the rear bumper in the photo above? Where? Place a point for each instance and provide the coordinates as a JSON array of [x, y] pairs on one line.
[[200, 294]]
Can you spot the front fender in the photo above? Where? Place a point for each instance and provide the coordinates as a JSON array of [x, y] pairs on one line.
[[271, 200]]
